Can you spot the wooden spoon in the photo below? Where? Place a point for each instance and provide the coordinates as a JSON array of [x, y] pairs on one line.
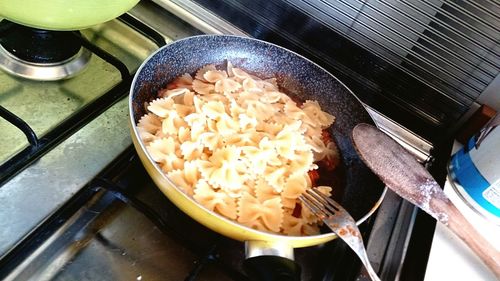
[[401, 172]]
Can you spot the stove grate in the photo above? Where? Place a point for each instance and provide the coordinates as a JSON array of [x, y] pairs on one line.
[[39, 145]]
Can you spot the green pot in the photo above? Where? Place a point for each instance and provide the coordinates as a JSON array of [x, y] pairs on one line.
[[63, 14]]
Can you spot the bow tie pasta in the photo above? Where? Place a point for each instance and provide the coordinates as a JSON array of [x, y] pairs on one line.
[[240, 146]]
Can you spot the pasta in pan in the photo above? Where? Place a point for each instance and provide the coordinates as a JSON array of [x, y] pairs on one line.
[[240, 146]]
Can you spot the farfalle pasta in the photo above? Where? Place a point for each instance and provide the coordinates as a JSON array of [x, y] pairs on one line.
[[240, 146]]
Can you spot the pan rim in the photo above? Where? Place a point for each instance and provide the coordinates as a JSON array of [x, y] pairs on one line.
[[269, 235]]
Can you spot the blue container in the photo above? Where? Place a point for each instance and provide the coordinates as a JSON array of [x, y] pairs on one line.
[[475, 171]]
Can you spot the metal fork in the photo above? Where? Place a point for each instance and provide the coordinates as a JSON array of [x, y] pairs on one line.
[[340, 222]]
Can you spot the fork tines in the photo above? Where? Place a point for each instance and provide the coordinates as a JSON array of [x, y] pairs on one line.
[[319, 203], [339, 221]]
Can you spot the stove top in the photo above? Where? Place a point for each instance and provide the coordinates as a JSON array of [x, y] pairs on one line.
[[120, 226], [77, 203]]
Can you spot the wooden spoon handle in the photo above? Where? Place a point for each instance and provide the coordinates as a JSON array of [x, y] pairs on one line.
[[467, 232], [401, 172]]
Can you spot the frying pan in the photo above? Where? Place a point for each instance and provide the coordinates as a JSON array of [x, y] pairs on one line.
[[269, 256], [63, 14]]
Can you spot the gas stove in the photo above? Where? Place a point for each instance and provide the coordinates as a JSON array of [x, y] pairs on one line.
[[77, 203]]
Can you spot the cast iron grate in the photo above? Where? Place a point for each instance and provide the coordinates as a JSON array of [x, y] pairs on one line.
[[40, 145]]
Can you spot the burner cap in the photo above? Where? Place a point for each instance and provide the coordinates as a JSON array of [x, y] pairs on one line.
[[40, 54], [44, 71]]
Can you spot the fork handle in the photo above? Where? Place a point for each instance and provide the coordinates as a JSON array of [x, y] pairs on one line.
[[356, 244], [369, 269]]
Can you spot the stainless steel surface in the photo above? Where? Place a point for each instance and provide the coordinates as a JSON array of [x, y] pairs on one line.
[[340, 222], [44, 72], [42, 188], [390, 235], [416, 145], [43, 105], [163, 21], [108, 240], [199, 17]]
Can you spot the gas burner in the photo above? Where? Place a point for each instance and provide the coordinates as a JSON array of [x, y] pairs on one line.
[[40, 54], [43, 71]]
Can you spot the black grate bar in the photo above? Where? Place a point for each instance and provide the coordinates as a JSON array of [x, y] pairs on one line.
[[123, 195], [125, 74], [211, 256], [12, 166], [143, 29], [21, 125], [40, 146]]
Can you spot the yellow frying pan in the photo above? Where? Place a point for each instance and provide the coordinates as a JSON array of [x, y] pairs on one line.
[[269, 256]]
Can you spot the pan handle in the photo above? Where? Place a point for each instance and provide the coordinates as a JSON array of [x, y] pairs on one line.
[[270, 261]]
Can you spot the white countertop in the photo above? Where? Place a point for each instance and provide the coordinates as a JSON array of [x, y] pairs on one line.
[[450, 258]]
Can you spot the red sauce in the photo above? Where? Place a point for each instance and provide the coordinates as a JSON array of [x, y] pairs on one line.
[[313, 176]]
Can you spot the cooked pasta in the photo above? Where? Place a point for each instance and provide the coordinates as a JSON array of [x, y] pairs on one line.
[[239, 146]]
